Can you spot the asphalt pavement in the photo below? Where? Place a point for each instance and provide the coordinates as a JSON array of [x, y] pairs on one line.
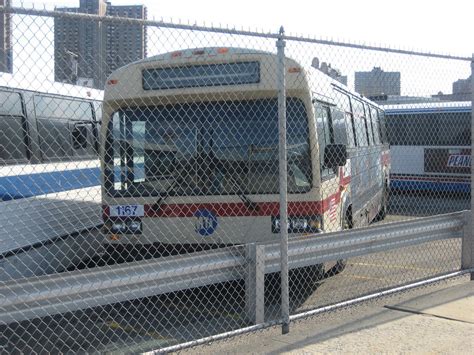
[[437, 319]]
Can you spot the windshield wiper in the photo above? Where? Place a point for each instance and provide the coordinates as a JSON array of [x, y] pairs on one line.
[[247, 202], [166, 193]]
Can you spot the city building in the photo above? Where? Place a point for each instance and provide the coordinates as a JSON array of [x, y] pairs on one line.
[[327, 69], [377, 82], [87, 51], [462, 91], [462, 86], [125, 43], [6, 50]]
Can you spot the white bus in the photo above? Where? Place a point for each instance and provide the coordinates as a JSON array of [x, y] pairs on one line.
[[431, 146], [48, 143], [191, 151]]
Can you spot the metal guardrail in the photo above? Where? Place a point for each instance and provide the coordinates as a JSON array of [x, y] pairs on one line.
[[54, 294], [349, 244]]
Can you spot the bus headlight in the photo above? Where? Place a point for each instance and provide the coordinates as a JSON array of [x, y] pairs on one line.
[[135, 226], [299, 224], [126, 226], [118, 227]]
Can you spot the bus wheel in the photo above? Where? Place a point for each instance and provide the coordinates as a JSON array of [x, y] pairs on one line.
[[306, 278], [383, 209], [347, 224]]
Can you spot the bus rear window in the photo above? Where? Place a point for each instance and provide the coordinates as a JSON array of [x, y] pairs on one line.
[[201, 75]]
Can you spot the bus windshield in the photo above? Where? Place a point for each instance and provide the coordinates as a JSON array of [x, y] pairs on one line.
[[206, 148]]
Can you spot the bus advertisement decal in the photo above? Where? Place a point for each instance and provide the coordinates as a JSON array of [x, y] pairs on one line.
[[447, 160], [459, 161]]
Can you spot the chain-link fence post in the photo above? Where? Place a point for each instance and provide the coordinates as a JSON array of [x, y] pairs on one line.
[[468, 237], [285, 308], [471, 235]]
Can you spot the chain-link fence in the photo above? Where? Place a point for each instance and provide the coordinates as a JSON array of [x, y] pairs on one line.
[[198, 205]]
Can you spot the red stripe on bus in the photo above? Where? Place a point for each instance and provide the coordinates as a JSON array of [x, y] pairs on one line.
[[105, 212], [345, 181], [238, 209]]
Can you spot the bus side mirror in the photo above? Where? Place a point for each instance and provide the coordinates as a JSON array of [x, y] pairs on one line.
[[335, 155]]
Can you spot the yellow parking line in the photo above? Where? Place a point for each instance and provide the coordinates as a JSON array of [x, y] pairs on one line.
[[363, 277], [403, 267], [232, 315], [214, 313], [139, 331]]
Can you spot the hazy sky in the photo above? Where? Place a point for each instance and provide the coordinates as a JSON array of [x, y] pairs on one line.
[[436, 26]]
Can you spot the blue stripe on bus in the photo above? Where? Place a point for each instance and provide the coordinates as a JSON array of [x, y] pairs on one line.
[[21, 186], [390, 112], [416, 185]]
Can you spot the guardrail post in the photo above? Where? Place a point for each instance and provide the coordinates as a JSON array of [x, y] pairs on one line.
[[467, 258], [467, 245], [255, 283]]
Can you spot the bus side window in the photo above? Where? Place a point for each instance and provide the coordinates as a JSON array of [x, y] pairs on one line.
[[339, 125], [325, 135], [65, 127], [375, 125], [13, 129], [344, 104], [359, 120], [351, 131], [368, 123]]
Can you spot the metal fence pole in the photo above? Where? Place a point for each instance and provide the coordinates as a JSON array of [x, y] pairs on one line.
[[285, 307], [467, 261]]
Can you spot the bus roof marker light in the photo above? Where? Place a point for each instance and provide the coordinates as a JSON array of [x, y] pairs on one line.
[[222, 50], [176, 54], [112, 82], [294, 70]]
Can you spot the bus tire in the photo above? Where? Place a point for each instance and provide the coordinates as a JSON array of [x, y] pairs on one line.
[[306, 278], [384, 206], [347, 224]]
